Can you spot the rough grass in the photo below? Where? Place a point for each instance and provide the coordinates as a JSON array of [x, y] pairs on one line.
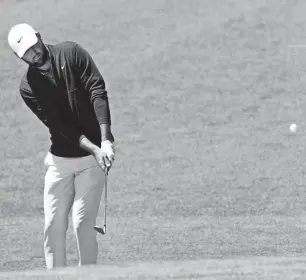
[[236, 268], [202, 94]]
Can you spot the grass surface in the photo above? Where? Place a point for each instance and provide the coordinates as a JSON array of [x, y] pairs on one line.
[[252, 268], [202, 93]]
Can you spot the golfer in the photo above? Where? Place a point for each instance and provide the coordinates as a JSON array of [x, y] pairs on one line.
[[65, 90]]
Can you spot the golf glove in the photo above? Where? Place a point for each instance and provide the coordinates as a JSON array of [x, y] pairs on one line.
[[109, 148]]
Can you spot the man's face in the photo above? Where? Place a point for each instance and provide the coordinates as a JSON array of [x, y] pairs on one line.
[[37, 55]]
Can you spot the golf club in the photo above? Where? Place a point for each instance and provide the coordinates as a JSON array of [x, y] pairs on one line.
[[98, 228]]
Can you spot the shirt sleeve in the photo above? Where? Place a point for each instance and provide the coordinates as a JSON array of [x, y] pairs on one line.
[[93, 83], [52, 121], [32, 103]]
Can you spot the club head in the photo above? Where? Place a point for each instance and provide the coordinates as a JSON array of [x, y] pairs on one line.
[[100, 230]]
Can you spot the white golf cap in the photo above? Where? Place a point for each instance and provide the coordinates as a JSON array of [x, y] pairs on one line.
[[22, 37]]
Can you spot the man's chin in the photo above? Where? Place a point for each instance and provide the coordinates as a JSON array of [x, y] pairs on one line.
[[39, 64]]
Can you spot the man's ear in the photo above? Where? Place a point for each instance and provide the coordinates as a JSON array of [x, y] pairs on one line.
[[38, 35]]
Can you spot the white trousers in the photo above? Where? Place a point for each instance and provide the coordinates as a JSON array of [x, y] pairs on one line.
[[75, 183]]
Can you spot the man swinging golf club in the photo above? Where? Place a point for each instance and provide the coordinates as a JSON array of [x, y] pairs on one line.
[[65, 90]]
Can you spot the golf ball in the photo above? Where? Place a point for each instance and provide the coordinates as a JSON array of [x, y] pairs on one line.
[[293, 127]]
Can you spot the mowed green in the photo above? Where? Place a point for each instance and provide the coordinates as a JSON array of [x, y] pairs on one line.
[[202, 94]]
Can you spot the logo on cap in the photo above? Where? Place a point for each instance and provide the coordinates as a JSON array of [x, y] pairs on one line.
[[19, 39]]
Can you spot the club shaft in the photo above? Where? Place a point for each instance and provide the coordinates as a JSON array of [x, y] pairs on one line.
[[99, 229], [105, 199]]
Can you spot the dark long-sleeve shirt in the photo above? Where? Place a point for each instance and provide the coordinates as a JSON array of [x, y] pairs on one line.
[[72, 101]]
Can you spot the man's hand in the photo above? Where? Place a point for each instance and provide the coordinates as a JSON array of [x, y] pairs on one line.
[[102, 159], [109, 148], [99, 154]]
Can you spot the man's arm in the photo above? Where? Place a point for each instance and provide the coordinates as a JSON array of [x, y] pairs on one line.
[[68, 131], [32, 102], [106, 133], [94, 83]]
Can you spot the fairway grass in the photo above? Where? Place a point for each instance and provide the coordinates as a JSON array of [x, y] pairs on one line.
[[202, 94], [245, 269]]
